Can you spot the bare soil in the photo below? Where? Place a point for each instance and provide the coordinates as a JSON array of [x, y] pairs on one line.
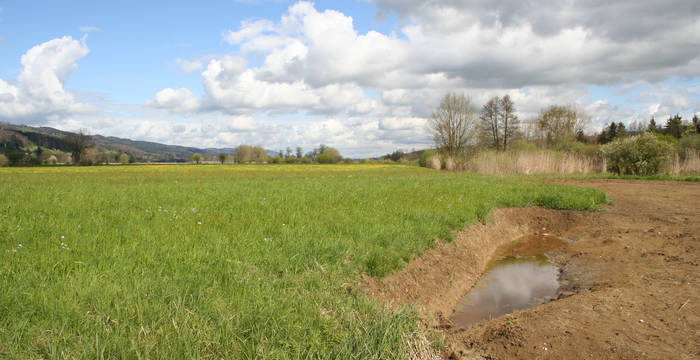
[[631, 282]]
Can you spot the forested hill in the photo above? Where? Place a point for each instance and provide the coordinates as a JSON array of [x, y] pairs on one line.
[[22, 138]]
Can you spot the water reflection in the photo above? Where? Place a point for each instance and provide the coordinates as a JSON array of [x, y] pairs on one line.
[[513, 283]]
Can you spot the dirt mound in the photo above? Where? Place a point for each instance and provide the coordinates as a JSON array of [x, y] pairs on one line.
[[630, 289]]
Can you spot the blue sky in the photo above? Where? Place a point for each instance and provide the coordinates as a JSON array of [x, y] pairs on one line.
[[133, 44], [359, 75]]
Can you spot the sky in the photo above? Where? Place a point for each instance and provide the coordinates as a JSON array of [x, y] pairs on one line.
[[362, 76]]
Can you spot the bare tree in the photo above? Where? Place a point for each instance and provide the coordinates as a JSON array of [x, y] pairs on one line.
[[77, 143], [490, 124], [244, 154], [508, 119], [259, 154], [453, 124]]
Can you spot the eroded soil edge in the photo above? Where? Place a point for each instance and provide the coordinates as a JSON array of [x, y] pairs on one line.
[[633, 271]]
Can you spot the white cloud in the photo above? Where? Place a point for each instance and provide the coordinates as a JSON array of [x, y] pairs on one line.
[[39, 89], [242, 123], [188, 66], [249, 30], [311, 76], [394, 123], [317, 62], [232, 88], [180, 100]]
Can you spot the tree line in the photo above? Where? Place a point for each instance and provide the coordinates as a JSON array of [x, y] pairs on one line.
[[457, 124], [675, 127], [248, 154]]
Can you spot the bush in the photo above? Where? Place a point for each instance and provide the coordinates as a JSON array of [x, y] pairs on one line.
[[522, 145], [645, 154], [690, 141], [3, 160], [329, 156], [434, 162], [423, 159], [450, 164], [278, 160]]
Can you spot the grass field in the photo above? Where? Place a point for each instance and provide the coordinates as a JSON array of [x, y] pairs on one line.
[[240, 262]]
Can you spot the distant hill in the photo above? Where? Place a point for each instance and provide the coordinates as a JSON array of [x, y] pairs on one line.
[[33, 139]]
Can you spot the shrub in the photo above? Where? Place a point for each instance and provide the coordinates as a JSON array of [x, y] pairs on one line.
[[423, 159], [645, 154], [690, 141], [522, 145], [124, 158], [450, 164], [434, 162], [3, 160], [329, 156], [278, 160]]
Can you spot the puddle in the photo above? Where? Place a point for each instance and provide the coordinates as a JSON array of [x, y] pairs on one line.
[[521, 277]]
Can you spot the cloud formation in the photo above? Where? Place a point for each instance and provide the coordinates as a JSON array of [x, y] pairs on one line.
[[39, 89], [310, 76], [180, 100]]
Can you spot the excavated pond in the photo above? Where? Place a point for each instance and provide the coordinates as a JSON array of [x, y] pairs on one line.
[[519, 277]]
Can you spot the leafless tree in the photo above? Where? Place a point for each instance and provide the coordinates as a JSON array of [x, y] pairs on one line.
[[453, 124], [490, 124], [508, 119], [244, 154], [77, 143]]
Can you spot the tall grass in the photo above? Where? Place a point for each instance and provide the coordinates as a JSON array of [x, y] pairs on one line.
[[533, 162], [238, 262], [557, 162], [687, 163]]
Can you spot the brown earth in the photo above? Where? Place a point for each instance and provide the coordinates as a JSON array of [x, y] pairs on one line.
[[631, 272]]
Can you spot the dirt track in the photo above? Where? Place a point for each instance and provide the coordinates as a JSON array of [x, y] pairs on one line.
[[633, 271]]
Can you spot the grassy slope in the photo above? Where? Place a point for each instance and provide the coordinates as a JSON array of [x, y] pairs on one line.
[[265, 275]]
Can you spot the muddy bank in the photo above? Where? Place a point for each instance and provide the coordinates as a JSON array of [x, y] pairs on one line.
[[436, 281], [630, 279]]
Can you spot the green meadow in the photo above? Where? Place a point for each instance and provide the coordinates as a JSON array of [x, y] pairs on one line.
[[235, 262]]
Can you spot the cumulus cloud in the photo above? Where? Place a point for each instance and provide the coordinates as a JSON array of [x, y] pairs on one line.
[[317, 61], [180, 100], [241, 123], [310, 76], [39, 89]]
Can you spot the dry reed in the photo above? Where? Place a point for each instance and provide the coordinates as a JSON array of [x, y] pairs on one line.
[[687, 164], [533, 162], [434, 163]]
